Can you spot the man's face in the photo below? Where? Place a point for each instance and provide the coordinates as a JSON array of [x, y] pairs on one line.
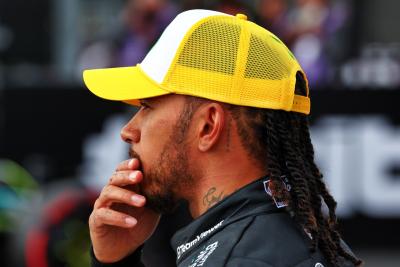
[[158, 138]]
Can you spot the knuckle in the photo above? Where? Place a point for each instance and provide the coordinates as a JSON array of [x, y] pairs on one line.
[[117, 178], [91, 219], [105, 212], [126, 196], [106, 192], [95, 218], [103, 189], [114, 176], [118, 174], [102, 213], [96, 204], [122, 165], [100, 219]]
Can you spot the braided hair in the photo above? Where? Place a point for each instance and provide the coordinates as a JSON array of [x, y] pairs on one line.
[[280, 141]]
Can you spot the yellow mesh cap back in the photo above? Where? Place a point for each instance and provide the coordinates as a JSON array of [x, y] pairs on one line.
[[232, 60]]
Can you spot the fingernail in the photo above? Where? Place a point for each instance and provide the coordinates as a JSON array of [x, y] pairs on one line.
[[130, 164], [137, 199], [132, 175], [130, 221]]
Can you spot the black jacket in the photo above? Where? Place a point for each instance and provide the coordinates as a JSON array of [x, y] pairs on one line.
[[245, 229]]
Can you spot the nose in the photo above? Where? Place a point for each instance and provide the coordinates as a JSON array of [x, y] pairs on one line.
[[130, 132]]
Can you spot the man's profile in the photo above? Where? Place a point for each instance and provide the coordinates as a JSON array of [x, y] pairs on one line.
[[223, 126]]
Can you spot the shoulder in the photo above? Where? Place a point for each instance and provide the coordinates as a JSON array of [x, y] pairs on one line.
[[275, 240]]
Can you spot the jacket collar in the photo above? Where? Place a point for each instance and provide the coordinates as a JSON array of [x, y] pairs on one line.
[[247, 201]]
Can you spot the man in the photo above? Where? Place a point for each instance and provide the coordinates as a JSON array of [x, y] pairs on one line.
[[222, 125]]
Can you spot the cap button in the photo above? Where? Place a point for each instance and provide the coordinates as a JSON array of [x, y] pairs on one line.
[[241, 16]]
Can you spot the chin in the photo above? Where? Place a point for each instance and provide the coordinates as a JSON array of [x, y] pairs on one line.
[[160, 201]]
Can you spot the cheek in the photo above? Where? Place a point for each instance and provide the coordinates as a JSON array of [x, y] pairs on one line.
[[153, 139]]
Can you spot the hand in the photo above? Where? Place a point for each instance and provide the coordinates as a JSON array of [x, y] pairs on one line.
[[120, 222]]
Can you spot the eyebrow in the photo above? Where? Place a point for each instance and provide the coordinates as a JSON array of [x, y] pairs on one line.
[[149, 101]]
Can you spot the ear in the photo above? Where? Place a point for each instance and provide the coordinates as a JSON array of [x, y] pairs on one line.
[[211, 125]]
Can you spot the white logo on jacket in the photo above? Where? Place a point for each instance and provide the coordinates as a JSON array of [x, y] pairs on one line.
[[204, 254], [183, 248]]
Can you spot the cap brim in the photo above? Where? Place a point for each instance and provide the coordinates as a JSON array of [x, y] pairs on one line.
[[127, 84]]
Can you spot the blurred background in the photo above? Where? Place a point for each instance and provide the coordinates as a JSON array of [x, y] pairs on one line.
[[59, 143]]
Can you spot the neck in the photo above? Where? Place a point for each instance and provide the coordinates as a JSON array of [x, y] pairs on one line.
[[215, 186], [220, 171]]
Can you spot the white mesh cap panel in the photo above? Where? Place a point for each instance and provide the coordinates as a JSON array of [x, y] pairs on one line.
[[158, 60]]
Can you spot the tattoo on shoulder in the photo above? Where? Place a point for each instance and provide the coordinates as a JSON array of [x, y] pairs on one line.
[[212, 197]]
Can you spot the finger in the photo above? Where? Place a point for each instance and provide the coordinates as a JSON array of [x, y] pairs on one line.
[[130, 164], [111, 217], [114, 194], [123, 178]]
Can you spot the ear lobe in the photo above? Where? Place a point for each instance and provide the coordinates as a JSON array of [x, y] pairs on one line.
[[212, 125]]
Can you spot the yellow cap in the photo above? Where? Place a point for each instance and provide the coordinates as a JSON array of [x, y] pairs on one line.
[[211, 55], [241, 16]]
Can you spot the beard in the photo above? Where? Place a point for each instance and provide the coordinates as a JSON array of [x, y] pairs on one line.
[[167, 177], [165, 181]]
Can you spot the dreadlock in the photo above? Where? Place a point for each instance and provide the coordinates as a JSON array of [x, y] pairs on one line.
[[281, 142]]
